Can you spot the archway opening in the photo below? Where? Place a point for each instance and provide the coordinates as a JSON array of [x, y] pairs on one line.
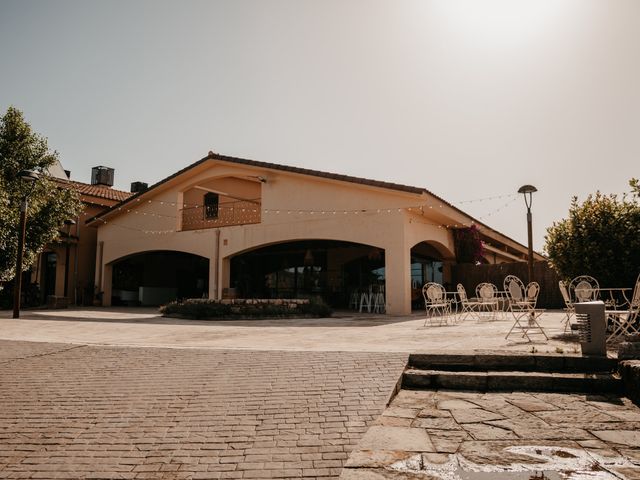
[[159, 277], [327, 269]]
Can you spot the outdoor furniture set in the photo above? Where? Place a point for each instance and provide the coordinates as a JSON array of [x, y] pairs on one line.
[[520, 301], [620, 310]]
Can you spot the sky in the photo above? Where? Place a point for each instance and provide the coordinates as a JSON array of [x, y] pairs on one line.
[[468, 98]]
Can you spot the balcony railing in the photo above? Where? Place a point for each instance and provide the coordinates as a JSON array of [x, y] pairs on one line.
[[228, 214]]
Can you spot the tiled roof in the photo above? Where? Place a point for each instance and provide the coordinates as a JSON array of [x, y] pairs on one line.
[[100, 191], [316, 173], [303, 171]]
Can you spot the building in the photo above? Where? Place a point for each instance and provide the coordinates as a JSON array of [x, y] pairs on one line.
[[72, 259], [226, 226]]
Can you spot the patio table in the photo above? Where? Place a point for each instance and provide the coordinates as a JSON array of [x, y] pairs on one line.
[[614, 308], [455, 302], [617, 297]]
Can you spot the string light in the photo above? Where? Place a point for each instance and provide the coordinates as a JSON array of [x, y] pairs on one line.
[[500, 208], [239, 213], [484, 199]]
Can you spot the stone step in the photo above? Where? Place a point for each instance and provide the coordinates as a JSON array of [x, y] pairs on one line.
[[518, 362], [502, 380]]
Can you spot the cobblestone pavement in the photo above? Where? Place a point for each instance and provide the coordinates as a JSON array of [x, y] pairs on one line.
[[346, 332], [450, 435], [70, 411]]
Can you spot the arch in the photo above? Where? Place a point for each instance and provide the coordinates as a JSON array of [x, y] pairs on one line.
[[428, 263], [439, 250], [157, 250], [295, 239], [330, 269], [157, 277]]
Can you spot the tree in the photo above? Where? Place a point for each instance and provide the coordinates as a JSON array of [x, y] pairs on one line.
[[600, 238], [50, 202]]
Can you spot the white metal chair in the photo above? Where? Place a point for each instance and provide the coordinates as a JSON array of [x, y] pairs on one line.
[[354, 299], [468, 307], [487, 294], [569, 308], [532, 291], [585, 288], [626, 322], [378, 304], [366, 299], [436, 303], [522, 305]]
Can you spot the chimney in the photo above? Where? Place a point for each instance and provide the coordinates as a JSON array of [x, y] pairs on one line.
[[102, 176], [137, 187]]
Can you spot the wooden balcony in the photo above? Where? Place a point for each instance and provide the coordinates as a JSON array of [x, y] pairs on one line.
[[228, 214]]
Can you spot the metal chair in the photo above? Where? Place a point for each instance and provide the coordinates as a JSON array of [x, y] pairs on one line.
[[468, 307], [487, 294], [569, 308], [585, 288], [626, 322], [522, 305], [366, 299], [354, 299], [379, 304], [436, 303]]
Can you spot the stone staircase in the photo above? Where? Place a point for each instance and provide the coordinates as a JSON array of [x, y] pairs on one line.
[[539, 373]]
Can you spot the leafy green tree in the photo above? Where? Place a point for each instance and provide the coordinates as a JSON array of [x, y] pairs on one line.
[[50, 202], [600, 238]]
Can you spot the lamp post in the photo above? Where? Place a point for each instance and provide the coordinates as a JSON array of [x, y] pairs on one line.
[[29, 177], [529, 190], [67, 224]]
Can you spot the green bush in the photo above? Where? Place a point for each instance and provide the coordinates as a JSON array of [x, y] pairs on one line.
[[198, 308], [600, 238]]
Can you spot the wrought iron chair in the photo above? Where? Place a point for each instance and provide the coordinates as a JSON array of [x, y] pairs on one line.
[[585, 288], [487, 294], [569, 308], [468, 307], [522, 305], [626, 322], [436, 303]]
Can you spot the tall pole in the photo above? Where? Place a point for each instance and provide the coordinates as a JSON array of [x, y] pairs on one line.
[[68, 224], [18, 281], [66, 262], [527, 191], [530, 243]]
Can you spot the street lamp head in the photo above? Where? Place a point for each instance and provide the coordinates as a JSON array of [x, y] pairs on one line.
[[70, 222], [527, 189], [29, 175]]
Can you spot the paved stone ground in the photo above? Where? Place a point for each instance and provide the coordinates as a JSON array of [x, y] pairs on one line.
[[450, 435], [71, 411], [347, 332]]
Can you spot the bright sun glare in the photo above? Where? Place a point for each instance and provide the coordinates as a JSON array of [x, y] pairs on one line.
[[508, 23]]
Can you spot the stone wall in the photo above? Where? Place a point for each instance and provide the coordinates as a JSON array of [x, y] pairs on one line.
[[630, 372]]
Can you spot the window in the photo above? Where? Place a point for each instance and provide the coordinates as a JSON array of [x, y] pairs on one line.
[[211, 201]]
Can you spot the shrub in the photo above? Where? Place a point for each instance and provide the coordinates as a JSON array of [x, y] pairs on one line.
[[198, 308], [600, 238]]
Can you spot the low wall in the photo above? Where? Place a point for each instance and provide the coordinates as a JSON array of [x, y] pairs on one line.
[[630, 372]]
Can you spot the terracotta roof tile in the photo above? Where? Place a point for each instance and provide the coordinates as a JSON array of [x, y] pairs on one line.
[[100, 191]]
